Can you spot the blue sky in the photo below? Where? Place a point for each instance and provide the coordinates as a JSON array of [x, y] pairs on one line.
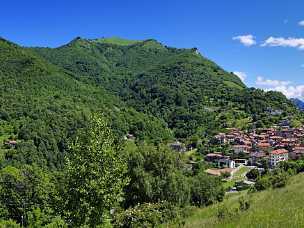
[[231, 33]]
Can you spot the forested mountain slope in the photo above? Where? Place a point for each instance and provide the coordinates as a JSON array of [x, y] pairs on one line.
[[61, 164], [193, 95], [143, 87], [41, 106]]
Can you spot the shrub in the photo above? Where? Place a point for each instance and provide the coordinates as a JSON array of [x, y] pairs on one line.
[[206, 190], [263, 183], [276, 179], [147, 215], [253, 174], [223, 212], [244, 204], [225, 175], [9, 224], [279, 180]]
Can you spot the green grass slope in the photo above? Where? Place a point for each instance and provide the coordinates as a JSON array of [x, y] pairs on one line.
[[116, 40], [274, 208]]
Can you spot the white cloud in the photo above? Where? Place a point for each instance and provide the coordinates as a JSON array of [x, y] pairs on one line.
[[241, 75], [290, 91], [272, 83], [301, 23], [284, 42], [247, 40], [285, 87]]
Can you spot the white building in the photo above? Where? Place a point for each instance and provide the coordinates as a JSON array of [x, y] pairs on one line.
[[278, 156], [241, 149], [226, 162]]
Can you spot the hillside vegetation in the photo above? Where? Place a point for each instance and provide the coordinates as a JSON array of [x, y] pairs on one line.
[[193, 95], [282, 207], [42, 106], [85, 128]]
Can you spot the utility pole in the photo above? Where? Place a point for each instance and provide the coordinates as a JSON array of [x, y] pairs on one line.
[[25, 201], [23, 213]]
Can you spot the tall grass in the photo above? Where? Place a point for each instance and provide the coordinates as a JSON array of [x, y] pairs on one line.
[[273, 208]]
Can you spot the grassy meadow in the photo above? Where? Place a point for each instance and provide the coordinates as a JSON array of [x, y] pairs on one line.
[[282, 207]]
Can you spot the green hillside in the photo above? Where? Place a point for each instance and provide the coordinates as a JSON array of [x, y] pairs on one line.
[[66, 114], [281, 207], [116, 40], [143, 87], [42, 105], [193, 95]]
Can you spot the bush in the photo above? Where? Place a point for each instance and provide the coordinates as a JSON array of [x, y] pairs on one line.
[[225, 175], [253, 174], [279, 180], [37, 218], [244, 204], [206, 190], [227, 212], [9, 224], [223, 212], [262, 183], [240, 185], [147, 215]]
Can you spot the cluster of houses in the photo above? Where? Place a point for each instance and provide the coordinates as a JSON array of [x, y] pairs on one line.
[[271, 145]]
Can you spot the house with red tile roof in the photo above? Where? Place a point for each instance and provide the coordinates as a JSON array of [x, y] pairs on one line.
[[212, 157], [277, 156], [264, 146]]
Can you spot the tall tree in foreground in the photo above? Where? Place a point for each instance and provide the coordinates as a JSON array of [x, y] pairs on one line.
[[95, 175]]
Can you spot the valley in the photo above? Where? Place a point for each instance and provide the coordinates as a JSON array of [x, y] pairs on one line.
[[116, 132]]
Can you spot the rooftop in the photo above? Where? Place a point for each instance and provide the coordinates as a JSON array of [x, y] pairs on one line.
[[279, 151]]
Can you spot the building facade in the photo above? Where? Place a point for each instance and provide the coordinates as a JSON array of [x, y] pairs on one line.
[[278, 156]]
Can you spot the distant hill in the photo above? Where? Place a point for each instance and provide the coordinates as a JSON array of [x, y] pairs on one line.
[[193, 95], [299, 103], [116, 40], [154, 92], [272, 208]]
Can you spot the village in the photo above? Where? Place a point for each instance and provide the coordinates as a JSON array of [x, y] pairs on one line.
[[251, 149], [260, 149]]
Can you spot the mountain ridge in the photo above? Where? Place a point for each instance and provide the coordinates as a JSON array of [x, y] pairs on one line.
[[178, 88], [298, 102], [173, 84], [149, 95]]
